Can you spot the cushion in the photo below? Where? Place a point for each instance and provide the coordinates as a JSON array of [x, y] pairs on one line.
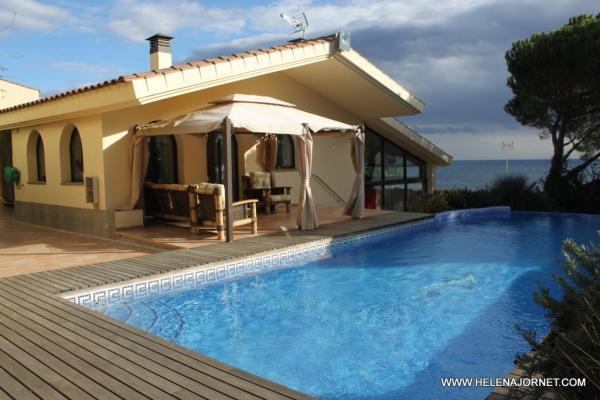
[[280, 197], [260, 180], [210, 188]]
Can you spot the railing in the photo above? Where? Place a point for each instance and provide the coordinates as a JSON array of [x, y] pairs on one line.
[[336, 196]]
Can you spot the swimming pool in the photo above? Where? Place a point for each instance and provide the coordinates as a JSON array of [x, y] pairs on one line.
[[381, 318]]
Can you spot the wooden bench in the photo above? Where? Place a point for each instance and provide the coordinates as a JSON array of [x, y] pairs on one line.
[[202, 205]]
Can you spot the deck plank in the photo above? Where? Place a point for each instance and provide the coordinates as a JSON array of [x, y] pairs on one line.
[[15, 334], [73, 313]]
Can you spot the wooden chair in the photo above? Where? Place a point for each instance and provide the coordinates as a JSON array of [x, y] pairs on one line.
[[211, 209], [202, 205], [259, 185]]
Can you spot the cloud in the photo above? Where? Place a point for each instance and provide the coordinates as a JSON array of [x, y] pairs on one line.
[[86, 68], [32, 15], [136, 20], [448, 53]]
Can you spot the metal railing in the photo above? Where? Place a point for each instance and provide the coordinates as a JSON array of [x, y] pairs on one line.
[[328, 188]]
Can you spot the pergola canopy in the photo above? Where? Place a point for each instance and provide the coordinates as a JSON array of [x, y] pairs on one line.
[[241, 113], [248, 114]]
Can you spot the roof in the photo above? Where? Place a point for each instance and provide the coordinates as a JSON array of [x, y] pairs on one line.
[[174, 69]]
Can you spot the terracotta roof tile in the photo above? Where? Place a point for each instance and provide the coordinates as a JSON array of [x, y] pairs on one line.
[[175, 68]]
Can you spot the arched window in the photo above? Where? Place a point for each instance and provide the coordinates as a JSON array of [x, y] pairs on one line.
[[162, 164], [76, 156], [285, 152], [40, 160]]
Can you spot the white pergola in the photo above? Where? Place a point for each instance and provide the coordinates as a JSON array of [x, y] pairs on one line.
[[240, 113]]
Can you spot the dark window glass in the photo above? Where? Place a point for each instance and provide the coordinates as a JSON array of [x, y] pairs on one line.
[[414, 188], [395, 197], [415, 169], [373, 159], [285, 152], [40, 160], [393, 163], [215, 163], [373, 171], [391, 174], [76, 154], [162, 163]]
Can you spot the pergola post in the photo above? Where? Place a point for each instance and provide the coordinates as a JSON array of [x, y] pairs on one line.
[[227, 132]]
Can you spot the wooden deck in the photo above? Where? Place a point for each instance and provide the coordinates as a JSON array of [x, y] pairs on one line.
[[53, 349]]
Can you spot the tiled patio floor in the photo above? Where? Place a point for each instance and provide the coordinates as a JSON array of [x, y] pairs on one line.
[[28, 248]]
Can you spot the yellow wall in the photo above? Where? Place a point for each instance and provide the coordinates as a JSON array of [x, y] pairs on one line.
[[57, 190], [12, 94]]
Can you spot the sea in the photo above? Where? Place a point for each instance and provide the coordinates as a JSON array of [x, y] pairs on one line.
[[474, 174]]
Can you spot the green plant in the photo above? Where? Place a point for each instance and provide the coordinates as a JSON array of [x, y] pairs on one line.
[[465, 198], [572, 348], [425, 203], [514, 191], [556, 89]]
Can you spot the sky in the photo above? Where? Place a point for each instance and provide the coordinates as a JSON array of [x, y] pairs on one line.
[[448, 53]]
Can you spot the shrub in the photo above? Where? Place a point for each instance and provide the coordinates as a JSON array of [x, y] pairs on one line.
[[425, 203], [572, 348], [514, 191], [466, 198]]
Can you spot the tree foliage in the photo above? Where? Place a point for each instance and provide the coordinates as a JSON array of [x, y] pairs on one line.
[[555, 81], [572, 348]]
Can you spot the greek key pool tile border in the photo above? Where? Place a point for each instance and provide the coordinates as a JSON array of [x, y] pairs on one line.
[[210, 273]]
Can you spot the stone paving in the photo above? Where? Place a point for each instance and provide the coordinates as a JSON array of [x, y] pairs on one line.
[[26, 248]]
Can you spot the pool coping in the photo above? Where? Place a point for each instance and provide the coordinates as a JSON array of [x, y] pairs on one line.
[[203, 274], [206, 273]]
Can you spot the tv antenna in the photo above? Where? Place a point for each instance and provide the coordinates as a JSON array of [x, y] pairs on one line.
[[507, 147], [299, 23]]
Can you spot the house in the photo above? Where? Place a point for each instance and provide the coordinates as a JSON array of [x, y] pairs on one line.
[[59, 141], [11, 94]]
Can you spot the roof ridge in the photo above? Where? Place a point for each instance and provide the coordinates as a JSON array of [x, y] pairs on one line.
[[174, 68]]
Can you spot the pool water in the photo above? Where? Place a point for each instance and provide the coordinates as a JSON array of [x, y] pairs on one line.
[[383, 318]]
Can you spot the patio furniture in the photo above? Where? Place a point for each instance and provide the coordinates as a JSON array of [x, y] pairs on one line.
[[211, 209], [202, 205], [259, 185]]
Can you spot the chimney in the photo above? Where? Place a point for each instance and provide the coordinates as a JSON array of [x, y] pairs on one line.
[[160, 51]]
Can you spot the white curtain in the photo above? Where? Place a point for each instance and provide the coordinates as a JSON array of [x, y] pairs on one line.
[[307, 212], [356, 203]]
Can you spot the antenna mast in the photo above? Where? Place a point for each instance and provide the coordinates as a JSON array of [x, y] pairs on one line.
[[299, 23], [507, 147]]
